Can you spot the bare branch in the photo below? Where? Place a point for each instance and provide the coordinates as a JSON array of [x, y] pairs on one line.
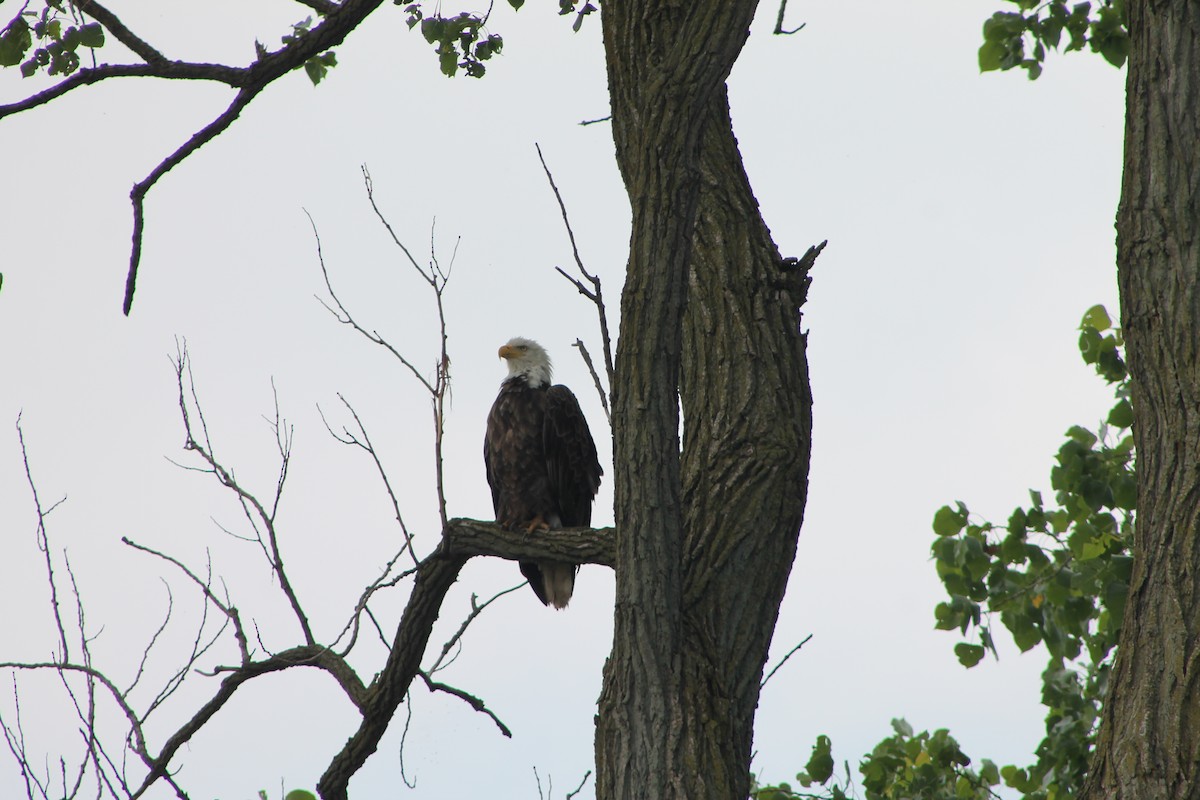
[[43, 543], [138, 194], [404, 738], [587, 359], [470, 699], [225, 608], [476, 609], [595, 294], [137, 677], [779, 21], [380, 583], [343, 316], [253, 508], [579, 788], [349, 438], [437, 279], [122, 34], [783, 660]]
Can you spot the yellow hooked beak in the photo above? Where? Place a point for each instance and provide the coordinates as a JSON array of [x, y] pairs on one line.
[[507, 352]]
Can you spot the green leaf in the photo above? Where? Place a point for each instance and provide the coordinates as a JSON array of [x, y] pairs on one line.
[[15, 41], [300, 794], [948, 522], [902, 728], [820, 765], [448, 62], [91, 35], [969, 654], [991, 56], [1097, 318], [1121, 414], [516, 4]]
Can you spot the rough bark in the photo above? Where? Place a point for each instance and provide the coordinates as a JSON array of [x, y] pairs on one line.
[[1149, 746], [746, 445], [675, 711]]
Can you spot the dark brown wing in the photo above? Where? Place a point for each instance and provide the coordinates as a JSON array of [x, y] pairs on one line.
[[571, 463], [514, 456]]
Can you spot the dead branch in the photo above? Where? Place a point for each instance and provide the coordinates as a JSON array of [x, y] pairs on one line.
[[587, 359], [437, 280], [477, 608], [43, 542], [783, 660], [596, 295], [579, 788], [254, 510], [471, 700], [225, 607], [362, 440], [779, 30]]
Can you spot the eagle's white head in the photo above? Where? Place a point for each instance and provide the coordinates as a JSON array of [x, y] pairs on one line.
[[528, 358]]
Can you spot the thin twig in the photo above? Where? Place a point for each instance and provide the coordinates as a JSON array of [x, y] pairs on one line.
[[347, 437], [587, 359], [471, 700], [206, 588], [343, 316], [254, 510], [43, 542], [779, 21], [596, 295], [476, 609], [783, 660], [579, 788]]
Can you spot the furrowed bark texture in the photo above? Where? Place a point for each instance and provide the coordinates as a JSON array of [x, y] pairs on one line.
[[746, 445], [1149, 746], [674, 721]]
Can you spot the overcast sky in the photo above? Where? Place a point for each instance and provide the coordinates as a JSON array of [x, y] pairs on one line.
[[969, 221]]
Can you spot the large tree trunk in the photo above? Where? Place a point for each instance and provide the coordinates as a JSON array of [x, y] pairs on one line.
[[1149, 745], [705, 542]]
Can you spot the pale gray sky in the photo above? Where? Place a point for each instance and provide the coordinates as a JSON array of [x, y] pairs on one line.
[[969, 221]]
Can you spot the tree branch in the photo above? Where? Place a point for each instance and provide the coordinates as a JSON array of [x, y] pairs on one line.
[[471, 700], [339, 20], [437, 574], [595, 294], [468, 537], [122, 34], [779, 29], [138, 194]]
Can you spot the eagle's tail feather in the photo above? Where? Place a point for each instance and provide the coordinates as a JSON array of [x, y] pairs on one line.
[[558, 582]]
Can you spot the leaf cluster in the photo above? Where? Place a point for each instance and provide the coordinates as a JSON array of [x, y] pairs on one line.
[[57, 34], [1020, 38], [458, 41], [1057, 574], [915, 766]]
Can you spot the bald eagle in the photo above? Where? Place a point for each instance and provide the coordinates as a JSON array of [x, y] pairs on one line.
[[541, 461]]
